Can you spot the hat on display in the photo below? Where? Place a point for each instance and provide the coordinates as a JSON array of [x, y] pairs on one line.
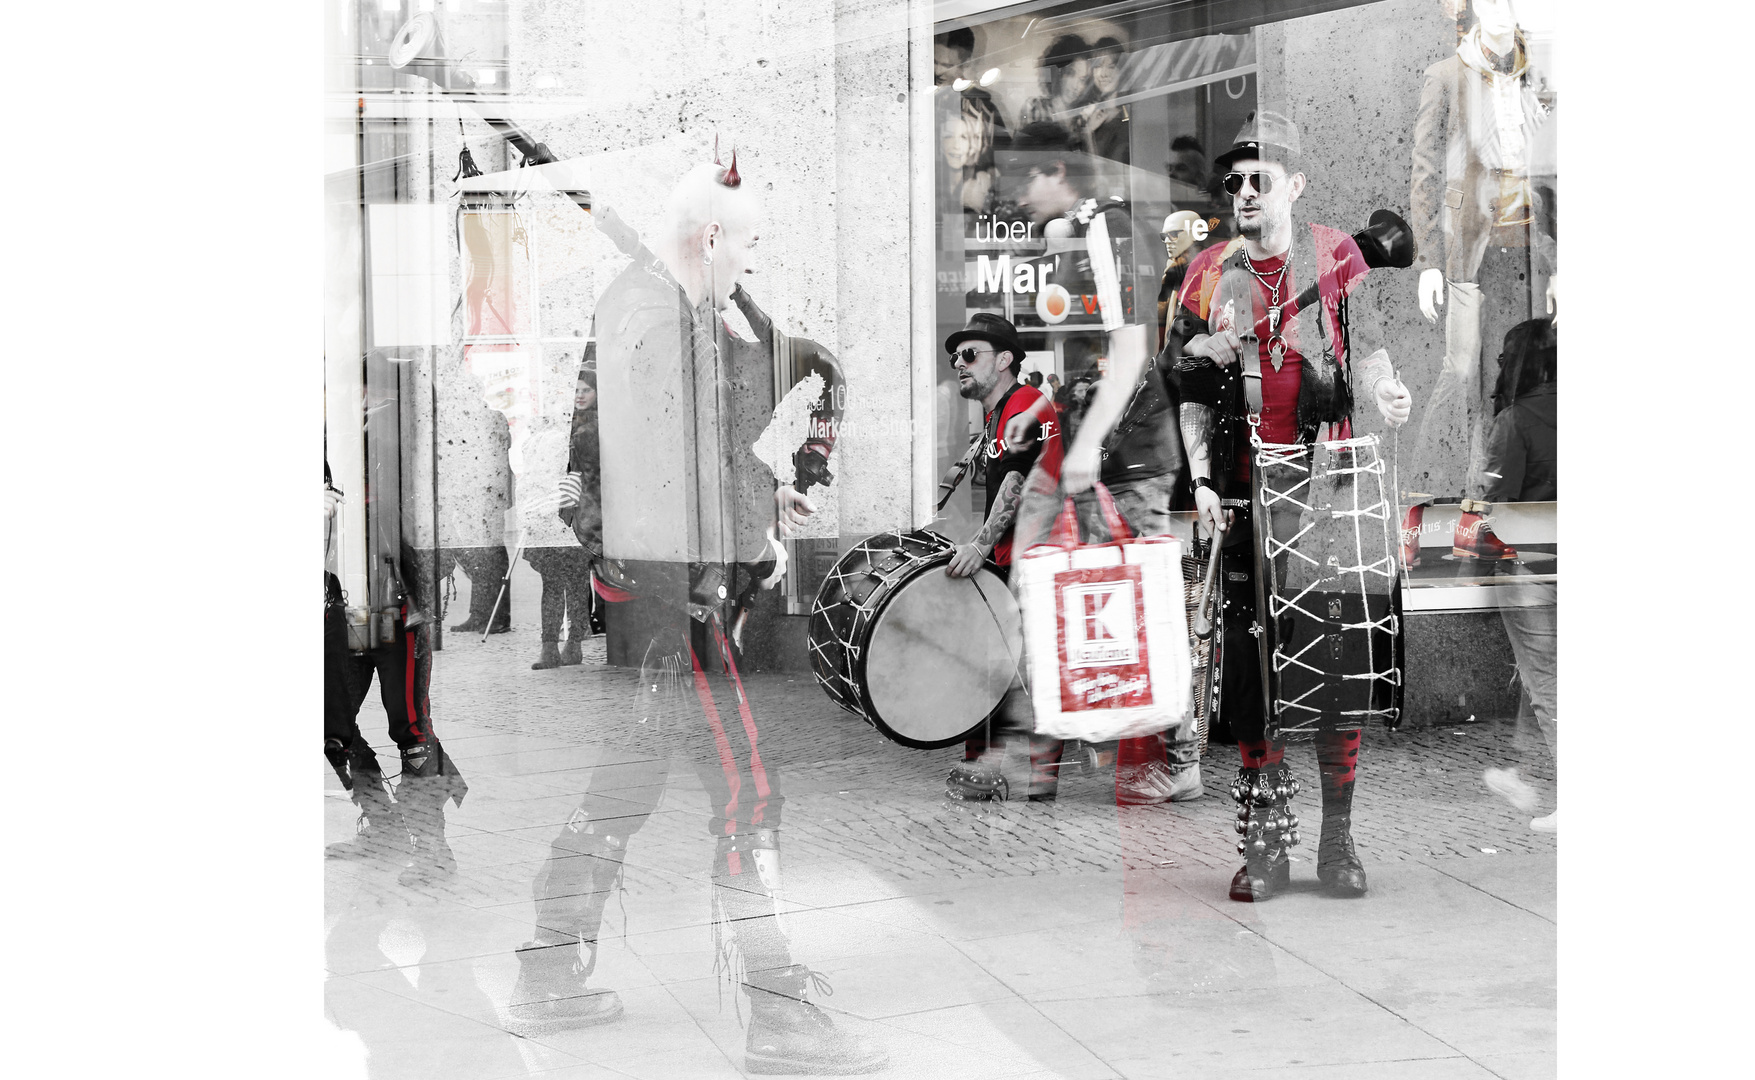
[[1265, 136], [986, 326]]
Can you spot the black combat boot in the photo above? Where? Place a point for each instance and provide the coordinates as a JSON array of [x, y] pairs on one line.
[[571, 891], [1268, 827], [551, 988], [787, 1034], [1337, 863]]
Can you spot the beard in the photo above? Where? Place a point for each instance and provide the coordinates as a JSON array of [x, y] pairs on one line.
[[1252, 229], [974, 390]]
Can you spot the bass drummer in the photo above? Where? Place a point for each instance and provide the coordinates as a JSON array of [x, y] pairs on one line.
[[985, 355]]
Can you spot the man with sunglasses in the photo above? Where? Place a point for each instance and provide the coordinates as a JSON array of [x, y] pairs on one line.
[[1240, 295], [985, 355]]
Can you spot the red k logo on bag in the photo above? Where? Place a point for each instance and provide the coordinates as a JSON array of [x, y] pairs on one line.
[[1106, 633], [1100, 617]]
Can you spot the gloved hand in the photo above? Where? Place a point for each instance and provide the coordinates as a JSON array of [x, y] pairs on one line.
[[1393, 401]]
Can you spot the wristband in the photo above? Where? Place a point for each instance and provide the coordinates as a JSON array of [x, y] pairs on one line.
[[1206, 482]]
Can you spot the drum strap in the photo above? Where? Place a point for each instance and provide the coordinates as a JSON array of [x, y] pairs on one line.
[[947, 485]]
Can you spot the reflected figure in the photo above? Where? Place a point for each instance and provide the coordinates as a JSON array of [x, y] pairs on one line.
[[1107, 123], [971, 132], [1065, 77], [1485, 236], [1124, 434], [409, 827], [567, 591], [689, 518], [1522, 466], [1187, 166]]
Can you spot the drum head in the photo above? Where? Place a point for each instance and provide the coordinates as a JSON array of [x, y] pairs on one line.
[[942, 654]]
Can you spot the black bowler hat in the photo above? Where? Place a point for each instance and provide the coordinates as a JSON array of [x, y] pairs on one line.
[[986, 326]]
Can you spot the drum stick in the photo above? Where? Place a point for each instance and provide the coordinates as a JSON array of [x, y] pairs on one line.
[[1203, 625]]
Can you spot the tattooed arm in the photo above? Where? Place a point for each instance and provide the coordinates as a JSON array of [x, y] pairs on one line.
[[968, 557], [1197, 440]]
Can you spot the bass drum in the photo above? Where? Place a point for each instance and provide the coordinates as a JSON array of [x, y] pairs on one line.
[[923, 657]]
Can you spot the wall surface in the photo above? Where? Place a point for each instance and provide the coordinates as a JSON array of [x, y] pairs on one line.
[[1350, 79]]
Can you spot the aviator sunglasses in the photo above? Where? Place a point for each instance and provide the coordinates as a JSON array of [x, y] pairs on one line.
[[1263, 182]]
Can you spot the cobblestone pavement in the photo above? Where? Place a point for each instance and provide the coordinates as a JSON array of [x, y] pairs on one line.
[[1067, 938]]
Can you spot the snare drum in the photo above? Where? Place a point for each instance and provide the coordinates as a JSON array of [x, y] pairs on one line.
[[923, 657]]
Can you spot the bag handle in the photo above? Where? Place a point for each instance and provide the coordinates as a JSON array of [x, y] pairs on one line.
[[1065, 533]]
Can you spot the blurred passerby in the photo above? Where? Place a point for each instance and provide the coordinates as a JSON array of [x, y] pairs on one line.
[[1522, 460], [410, 827]]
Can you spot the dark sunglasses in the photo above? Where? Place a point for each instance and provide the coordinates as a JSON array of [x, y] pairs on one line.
[[1263, 181], [968, 354]]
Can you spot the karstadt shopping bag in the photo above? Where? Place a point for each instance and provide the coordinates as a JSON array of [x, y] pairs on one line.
[[1105, 631]]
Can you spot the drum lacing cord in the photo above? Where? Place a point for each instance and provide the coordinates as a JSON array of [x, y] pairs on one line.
[[863, 611], [843, 672], [1294, 456]]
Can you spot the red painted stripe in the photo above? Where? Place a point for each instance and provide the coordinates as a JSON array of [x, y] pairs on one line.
[[727, 765], [610, 592], [757, 771], [414, 727]]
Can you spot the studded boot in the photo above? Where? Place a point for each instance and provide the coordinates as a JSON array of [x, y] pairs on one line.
[[1268, 828]]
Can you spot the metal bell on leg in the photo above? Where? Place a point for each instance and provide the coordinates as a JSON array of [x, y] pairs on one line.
[[1267, 828]]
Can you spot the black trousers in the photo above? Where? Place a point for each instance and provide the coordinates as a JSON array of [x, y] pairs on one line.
[[690, 698], [1241, 706], [403, 668]]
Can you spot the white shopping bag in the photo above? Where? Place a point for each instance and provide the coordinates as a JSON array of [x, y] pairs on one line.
[[1105, 632]]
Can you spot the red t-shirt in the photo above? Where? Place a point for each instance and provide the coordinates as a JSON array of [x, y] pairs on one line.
[[1341, 265], [1000, 459]]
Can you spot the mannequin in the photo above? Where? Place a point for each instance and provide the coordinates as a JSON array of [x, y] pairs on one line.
[[1485, 233]]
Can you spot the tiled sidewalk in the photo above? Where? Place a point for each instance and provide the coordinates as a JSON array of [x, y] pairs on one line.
[[1065, 939]]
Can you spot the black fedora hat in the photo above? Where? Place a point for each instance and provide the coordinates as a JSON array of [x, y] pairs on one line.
[[986, 326]]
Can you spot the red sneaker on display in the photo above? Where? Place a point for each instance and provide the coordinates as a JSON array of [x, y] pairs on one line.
[[1474, 535]]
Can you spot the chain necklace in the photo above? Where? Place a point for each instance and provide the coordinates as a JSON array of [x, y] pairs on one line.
[[1276, 343]]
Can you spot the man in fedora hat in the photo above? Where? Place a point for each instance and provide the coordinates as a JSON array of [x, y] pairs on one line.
[[985, 355], [1291, 386]]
